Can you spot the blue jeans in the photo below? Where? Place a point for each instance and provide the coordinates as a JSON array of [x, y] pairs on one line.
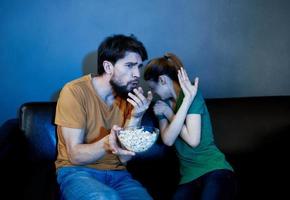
[[83, 183], [215, 185]]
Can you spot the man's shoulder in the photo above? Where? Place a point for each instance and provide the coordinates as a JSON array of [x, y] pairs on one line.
[[79, 81], [79, 86]]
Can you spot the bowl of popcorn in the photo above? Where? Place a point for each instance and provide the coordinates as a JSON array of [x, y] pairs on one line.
[[138, 138]]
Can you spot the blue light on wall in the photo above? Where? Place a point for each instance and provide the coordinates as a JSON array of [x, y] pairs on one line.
[[237, 48]]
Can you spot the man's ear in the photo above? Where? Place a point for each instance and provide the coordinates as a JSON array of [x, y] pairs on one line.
[[162, 79], [108, 67]]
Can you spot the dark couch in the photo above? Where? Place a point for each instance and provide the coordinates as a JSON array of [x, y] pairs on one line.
[[253, 133]]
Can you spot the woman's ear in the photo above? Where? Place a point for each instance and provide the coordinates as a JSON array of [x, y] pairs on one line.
[[108, 67], [162, 79]]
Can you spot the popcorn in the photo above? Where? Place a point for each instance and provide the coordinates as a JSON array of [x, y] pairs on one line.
[[137, 139]]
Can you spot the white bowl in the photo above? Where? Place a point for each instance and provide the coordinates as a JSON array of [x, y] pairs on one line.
[[138, 139]]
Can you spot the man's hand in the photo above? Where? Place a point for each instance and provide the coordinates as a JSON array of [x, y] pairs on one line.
[[139, 101], [112, 146]]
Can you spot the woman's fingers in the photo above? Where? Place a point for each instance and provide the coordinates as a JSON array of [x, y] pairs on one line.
[[181, 82], [187, 87]]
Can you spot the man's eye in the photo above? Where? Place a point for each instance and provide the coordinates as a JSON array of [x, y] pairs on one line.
[[130, 65]]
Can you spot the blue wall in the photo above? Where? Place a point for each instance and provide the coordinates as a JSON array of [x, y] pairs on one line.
[[236, 47]]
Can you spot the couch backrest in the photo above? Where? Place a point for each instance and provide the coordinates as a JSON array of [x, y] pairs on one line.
[[250, 124], [240, 124], [37, 124]]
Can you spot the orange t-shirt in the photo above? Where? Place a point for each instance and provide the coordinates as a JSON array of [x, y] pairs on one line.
[[79, 106]]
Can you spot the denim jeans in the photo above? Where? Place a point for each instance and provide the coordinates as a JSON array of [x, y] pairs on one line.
[[83, 183], [215, 185]]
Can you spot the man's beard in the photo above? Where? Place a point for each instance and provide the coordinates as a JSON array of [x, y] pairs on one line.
[[120, 91]]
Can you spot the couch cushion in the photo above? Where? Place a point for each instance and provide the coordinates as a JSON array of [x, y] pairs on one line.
[[37, 124]]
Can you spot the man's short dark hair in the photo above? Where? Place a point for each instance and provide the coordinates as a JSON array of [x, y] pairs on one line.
[[114, 48]]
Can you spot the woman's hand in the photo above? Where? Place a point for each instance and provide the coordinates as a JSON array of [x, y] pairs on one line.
[[188, 89], [161, 108]]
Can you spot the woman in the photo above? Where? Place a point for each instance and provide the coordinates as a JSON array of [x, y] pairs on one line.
[[184, 122]]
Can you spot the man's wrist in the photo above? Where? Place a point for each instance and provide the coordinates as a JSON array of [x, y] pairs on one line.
[[134, 120]]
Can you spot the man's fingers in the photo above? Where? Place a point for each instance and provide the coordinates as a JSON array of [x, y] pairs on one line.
[[116, 128], [134, 104], [115, 149], [149, 96], [139, 97], [139, 93], [112, 143], [113, 139], [124, 152], [140, 90], [135, 98]]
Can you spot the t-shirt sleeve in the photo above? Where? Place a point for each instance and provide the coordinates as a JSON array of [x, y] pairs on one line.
[[198, 105], [69, 110]]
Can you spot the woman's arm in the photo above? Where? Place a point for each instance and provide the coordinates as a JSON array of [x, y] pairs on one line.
[[171, 130], [190, 131], [188, 126], [193, 130]]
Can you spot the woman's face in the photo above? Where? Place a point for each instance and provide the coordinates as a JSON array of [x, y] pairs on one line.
[[162, 89]]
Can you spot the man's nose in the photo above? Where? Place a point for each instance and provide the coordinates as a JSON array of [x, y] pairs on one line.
[[136, 72]]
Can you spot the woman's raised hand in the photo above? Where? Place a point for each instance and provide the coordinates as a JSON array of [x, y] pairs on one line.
[[187, 87]]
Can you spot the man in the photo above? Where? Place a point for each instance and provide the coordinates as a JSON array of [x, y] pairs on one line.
[[90, 110]]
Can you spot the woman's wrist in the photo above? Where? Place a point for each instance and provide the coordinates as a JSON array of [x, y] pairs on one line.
[[188, 100]]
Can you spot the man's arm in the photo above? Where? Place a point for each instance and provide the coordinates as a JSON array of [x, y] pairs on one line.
[[140, 104], [82, 154]]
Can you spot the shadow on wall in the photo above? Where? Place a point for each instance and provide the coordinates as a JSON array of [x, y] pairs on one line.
[[90, 63], [55, 95]]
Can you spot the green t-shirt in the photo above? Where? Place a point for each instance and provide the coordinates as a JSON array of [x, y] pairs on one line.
[[206, 157]]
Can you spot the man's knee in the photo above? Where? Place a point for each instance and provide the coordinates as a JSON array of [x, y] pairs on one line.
[[104, 195]]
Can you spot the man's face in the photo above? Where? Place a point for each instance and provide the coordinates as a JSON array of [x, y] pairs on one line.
[[126, 73]]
